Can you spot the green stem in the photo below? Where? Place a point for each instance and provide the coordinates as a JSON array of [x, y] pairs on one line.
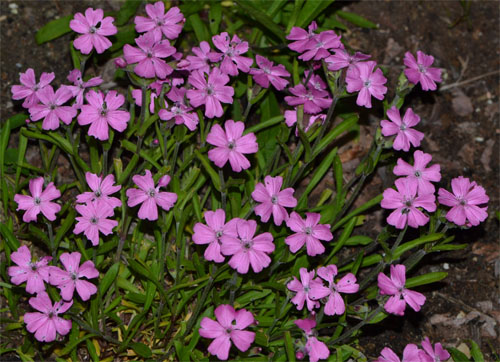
[[141, 118], [350, 331], [51, 239], [399, 239], [222, 189], [232, 287]]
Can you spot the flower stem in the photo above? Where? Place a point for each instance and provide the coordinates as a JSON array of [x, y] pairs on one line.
[[222, 189], [51, 239]]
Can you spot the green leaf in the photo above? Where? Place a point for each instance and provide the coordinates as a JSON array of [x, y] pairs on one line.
[[290, 350], [69, 347], [208, 167], [65, 226], [109, 278], [425, 279], [457, 356], [475, 352], [414, 243], [262, 125], [348, 124], [320, 172], [23, 143], [53, 29], [215, 17], [311, 10], [249, 8], [128, 9], [141, 349], [9, 236], [200, 29], [356, 19], [358, 211]]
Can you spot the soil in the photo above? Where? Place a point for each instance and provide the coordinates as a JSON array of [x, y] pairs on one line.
[[460, 122]]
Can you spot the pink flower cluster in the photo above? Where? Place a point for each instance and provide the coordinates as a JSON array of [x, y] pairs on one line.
[[310, 289], [46, 323], [412, 353], [313, 347]]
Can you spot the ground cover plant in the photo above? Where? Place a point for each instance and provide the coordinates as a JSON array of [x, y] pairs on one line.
[[238, 182]]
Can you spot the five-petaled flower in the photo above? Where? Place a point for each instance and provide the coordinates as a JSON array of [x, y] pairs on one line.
[[273, 200], [303, 289], [29, 87], [432, 354], [103, 111], [33, 273], [231, 145], [71, 278], [228, 328], [246, 248], [405, 202], [94, 28], [464, 202], [420, 71], [232, 50], [405, 135], [150, 196], [39, 201], [308, 232], [170, 23], [362, 78], [101, 189], [46, 323], [51, 108], [94, 219], [210, 92], [269, 72], [395, 286], [424, 175]]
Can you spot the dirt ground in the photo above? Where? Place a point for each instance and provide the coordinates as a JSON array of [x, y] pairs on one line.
[[460, 121]]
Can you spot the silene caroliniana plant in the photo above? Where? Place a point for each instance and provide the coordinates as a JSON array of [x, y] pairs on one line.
[[189, 231]]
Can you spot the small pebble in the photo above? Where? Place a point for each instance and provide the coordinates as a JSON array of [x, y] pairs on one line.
[[446, 266], [13, 8], [19, 65], [479, 139]]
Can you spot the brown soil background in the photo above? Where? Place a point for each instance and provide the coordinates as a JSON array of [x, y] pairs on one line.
[[461, 124]]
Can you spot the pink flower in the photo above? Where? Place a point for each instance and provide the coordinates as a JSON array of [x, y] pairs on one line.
[[269, 73], [430, 354], [314, 348], [405, 201], [232, 50], [405, 135], [420, 70], [307, 232], [410, 354], [303, 289], [464, 202], [150, 196], [204, 56], [335, 303], [47, 323], [400, 295], [362, 78], [342, 59], [33, 273], [148, 56], [179, 111], [273, 201], [212, 234], [247, 249], [228, 328], [94, 28], [69, 279], [170, 24], [94, 219], [51, 108], [103, 111], [39, 201], [79, 86], [231, 145], [101, 189], [302, 38], [419, 172], [314, 100], [317, 47], [210, 92], [30, 87]]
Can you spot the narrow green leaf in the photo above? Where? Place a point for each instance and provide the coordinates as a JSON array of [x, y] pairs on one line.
[[141, 349], [262, 125], [200, 29], [457, 356], [290, 350], [356, 19], [311, 10], [475, 352], [53, 29], [65, 226], [208, 167], [425, 279], [250, 9], [23, 143], [215, 17], [9, 236], [69, 347], [358, 211], [320, 172], [348, 124], [4, 141], [414, 243], [108, 278], [128, 9]]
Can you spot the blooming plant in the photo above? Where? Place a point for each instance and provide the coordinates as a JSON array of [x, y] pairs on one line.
[[190, 228]]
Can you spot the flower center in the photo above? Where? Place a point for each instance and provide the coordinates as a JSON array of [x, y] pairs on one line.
[[309, 96], [152, 192], [228, 330], [231, 145], [218, 233], [37, 201], [418, 173], [308, 230], [33, 266], [402, 127], [367, 83], [51, 314], [104, 112], [209, 91], [73, 276], [52, 107], [408, 203], [319, 44], [266, 70], [92, 30], [94, 220], [422, 69], [149, 54], [159, 22], [306, 288], [461, 201], [274, 199], [36, 87], [247, 244], [97, 193]]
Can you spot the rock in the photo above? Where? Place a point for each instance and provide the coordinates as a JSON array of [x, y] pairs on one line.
[[461, 104]]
